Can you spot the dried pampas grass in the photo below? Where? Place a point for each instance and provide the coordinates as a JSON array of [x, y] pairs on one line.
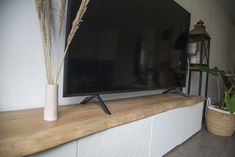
[[62, 13], [44, 9]]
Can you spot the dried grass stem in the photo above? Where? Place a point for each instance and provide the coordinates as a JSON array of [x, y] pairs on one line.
[[44, 10]]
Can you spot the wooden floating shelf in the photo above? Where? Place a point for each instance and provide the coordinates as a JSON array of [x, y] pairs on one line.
[[25, 132]]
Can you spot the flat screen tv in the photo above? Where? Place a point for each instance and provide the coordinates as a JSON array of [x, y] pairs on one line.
[[127, 45]]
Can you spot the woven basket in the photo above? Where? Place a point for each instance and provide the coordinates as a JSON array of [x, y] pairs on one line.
[[220, 122]]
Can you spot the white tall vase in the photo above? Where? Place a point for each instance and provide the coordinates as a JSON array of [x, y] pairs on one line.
[[51, 102]]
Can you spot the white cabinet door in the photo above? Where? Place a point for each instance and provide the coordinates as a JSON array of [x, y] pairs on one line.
[[192, 120], [129, 140], [167, 132], [65, 150]]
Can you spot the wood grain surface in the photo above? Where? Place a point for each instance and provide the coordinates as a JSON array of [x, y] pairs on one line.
[[25, 132]]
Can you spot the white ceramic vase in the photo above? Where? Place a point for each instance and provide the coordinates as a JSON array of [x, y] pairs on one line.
[[51, 102]]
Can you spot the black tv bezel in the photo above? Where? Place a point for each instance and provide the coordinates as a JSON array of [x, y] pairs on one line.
[[65, 71]]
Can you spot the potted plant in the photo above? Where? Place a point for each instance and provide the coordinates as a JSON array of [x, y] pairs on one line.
[[220, 118]]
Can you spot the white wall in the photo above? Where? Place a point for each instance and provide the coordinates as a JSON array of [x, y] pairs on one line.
[[22, 78], [21, 66]]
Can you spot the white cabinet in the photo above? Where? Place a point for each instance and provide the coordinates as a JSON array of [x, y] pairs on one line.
[[192, 120], [66, 150], [167, 132], [129, 140], [173, 127], [149, 137]]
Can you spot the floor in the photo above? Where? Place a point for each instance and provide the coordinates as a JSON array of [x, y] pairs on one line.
[[205, 144]]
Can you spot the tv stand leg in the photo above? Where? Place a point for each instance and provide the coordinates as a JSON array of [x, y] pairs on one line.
[[100, 102], [175, 89], [87, 99]]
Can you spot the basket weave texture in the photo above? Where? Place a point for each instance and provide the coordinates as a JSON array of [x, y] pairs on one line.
[[219, 123]]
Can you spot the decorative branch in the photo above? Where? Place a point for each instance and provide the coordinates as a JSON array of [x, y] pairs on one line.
[[44, 10], [62, 13], [75, 25]]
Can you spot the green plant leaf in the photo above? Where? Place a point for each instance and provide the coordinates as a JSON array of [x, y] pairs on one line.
[[230, 102], [229, 80], [232, 79], [213, 71]]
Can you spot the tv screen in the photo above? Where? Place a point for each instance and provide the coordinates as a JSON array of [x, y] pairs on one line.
[[126, 45]]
